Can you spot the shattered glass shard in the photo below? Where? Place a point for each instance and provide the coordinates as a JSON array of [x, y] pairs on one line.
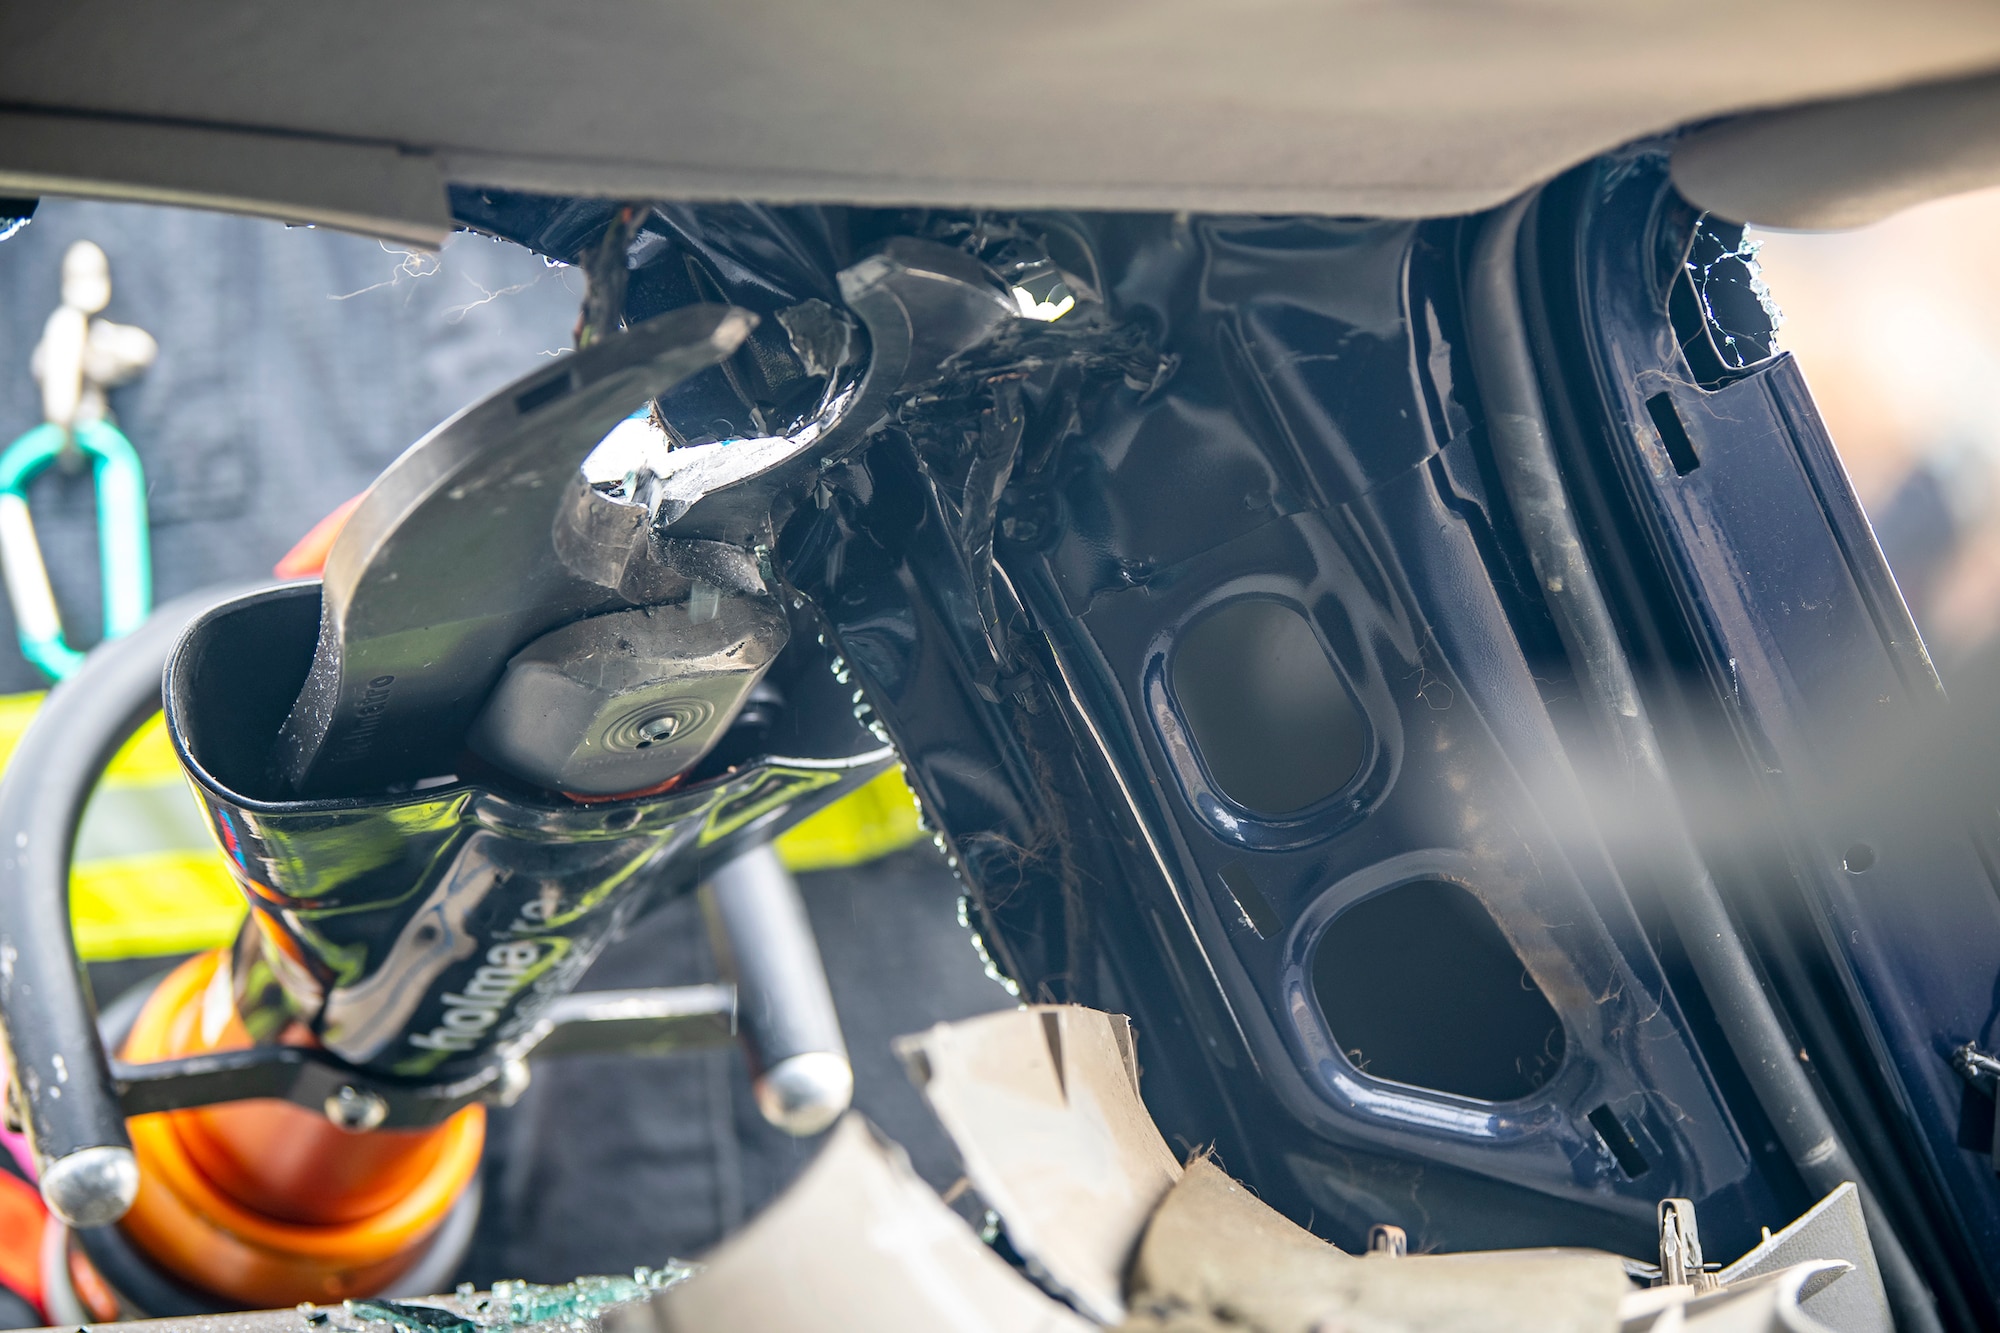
[[511, 1307], [408, 1317], [1736, 302], [1723, 313], [573, 1306]]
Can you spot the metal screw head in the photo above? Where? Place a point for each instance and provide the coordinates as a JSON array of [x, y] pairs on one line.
[[661, 728], [91, 1187], [356, 1109], [513, 1081]]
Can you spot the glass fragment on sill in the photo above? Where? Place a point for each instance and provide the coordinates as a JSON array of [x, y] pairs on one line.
[[510, 1307]]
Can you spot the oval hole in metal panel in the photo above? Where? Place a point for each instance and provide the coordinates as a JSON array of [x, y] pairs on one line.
[[1420, 987], [1268, 714]]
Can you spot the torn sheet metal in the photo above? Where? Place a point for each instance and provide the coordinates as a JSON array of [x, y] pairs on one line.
[[1043, 1104], [1832, 1229], [1770, 1303], [857, 1242], [1218, 1260]]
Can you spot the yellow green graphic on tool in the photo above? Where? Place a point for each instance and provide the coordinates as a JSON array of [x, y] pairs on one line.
[[148, 880]]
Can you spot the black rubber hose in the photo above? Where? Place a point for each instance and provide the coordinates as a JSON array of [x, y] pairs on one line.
[[1518, 429], [60, 1078]]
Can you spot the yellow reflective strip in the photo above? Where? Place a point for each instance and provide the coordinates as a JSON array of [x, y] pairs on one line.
[[16, 711], [183, 900], [148, 759], [159, 903], [869, 822], [162, 902]]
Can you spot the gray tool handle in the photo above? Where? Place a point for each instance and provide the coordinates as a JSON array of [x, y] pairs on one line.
[[784, 1006]]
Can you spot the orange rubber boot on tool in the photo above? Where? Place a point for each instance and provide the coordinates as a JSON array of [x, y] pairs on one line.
[[267, 1203]]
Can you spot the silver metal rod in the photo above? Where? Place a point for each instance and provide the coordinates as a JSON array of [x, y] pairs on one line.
[[784, 1005]]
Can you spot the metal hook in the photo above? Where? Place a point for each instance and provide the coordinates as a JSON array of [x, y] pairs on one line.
[[125, 562]]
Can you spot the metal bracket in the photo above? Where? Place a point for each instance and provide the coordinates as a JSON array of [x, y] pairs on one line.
[[1388, 1241], [654, 1021], [1681, 1264], [1981, 1071], [1976, 1066]]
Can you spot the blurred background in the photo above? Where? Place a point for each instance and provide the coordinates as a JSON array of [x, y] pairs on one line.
[[294, 364], [1897, 327]]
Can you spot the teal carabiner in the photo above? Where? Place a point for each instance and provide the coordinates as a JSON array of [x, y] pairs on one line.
[[123, 549]]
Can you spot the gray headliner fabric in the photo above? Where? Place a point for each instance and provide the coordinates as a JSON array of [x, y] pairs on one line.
[[1415, 107], [1849, 162]]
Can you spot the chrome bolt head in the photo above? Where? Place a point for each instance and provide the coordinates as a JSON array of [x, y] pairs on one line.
[[661, 728], [356, 1110]]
